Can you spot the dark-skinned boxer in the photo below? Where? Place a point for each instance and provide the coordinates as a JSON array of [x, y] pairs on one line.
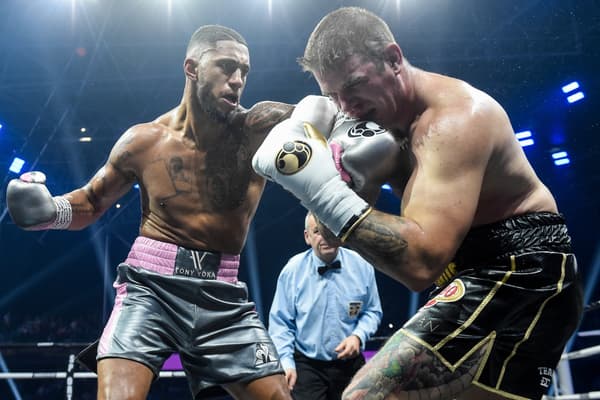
[[177, 289]]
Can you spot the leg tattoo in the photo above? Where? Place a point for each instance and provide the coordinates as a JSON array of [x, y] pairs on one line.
[[404, 369]]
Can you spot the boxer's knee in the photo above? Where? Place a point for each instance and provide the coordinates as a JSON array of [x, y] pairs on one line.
[[273, 387], [121, 379]]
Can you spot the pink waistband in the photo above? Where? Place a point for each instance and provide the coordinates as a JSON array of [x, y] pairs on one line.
[[159, 257]]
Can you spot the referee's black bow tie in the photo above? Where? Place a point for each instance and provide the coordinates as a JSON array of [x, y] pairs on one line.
[[325, 268]]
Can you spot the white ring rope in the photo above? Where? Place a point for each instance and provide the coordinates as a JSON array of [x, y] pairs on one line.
[[589, 395], [78, 375], [587, 352]]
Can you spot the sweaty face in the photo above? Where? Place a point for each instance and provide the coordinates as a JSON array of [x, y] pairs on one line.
[[361, 90], [222, 73], [319, 245]]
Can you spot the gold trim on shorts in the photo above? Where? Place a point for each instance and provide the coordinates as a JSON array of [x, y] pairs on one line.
[[488, 340]]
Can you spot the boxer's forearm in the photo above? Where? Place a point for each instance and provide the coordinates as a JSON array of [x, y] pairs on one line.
[[105, 188], [84, 212], [394, 245]]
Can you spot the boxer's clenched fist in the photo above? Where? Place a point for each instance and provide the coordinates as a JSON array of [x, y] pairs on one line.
[[296, 156], [364, 153], [32, 207]]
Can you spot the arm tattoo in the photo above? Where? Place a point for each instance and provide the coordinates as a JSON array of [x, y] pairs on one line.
[[378, 239], [122, 159], [93, 193], [263, 116], [380, 236]]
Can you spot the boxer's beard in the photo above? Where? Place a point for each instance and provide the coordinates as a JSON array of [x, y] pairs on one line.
[[208, 104]]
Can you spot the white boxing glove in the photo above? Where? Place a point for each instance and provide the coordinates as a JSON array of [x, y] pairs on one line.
[[319, 111], [297, 157], [32, 207], [365, 153]]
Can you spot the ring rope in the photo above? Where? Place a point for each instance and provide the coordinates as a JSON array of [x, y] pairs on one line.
[[76, 375], [589, 395], [587, 352]]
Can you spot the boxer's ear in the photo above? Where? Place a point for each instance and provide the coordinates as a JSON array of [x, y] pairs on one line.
[[190, 68], [393, 56]]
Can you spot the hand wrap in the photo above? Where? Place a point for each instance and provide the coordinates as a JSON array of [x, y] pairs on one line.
[[32, 207]]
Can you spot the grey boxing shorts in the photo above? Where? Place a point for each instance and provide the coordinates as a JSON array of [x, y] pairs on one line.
[[171, 299]]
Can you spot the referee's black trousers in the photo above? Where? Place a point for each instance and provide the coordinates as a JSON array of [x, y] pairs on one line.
[[323, 380]]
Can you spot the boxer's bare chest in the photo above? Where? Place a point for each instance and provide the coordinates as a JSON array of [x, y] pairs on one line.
[[403, 167], [215, 178]]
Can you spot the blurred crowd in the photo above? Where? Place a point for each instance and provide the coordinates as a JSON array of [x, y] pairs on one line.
[[48, 328]]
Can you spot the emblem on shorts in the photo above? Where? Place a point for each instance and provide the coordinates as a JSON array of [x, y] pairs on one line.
[[365, 129], [545, 376], [453, 292], [292, 157], [263, 354], [354, 308]]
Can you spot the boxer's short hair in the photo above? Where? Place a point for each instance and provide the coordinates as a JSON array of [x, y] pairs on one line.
[[343, 33], [209, 35]]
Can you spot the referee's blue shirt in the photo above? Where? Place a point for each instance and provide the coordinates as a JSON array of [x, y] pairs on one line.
[[313, 313]]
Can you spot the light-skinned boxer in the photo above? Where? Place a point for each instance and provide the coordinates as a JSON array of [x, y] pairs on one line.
[[476, 224]]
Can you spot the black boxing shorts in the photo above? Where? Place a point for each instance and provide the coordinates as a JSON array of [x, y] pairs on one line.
[[511, 292], [171, 299]]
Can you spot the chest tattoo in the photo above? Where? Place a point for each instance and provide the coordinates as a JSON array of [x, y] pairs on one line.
[[228, 173]]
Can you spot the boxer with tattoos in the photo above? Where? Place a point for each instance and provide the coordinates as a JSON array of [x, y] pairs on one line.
[[475, 222], [177, 290]]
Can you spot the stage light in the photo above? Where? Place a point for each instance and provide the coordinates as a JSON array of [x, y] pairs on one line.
[[525, 138], [562, 161], [559, 154], [561, 158], [526, 142], [570, 87], [386, 186], [575, 97], [523, 135], [17, 165]]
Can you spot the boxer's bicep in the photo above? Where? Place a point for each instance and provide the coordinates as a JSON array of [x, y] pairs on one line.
[[108, 184], [443, 192]]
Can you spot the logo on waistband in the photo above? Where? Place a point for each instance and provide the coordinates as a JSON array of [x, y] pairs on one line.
[[453, 292], [197, 264]]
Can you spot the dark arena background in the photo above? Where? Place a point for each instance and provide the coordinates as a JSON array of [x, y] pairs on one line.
[[74, 74]]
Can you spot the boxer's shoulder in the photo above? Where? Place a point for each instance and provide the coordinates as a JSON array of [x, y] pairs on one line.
[[136, 145], [263, 116], [140, 136]]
